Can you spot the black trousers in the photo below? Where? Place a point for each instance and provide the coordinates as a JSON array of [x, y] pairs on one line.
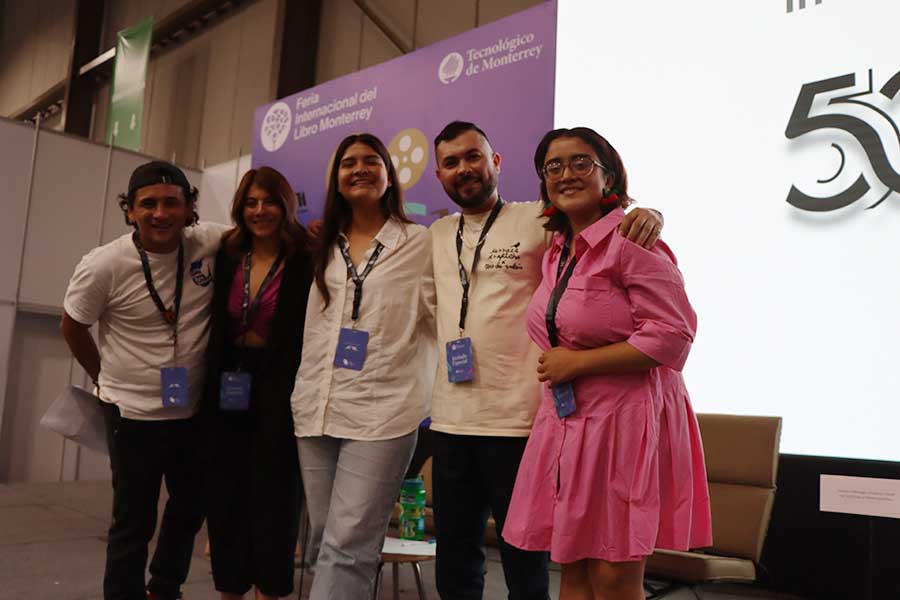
[[424, 450], [142, 454], [254, 493], [474, 476], [253, 512]]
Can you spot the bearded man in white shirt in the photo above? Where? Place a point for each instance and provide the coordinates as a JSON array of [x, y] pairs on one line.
[[487, 264], [150, 292]]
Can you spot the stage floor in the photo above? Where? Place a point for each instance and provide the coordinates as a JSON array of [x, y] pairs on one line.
[[52, 546]]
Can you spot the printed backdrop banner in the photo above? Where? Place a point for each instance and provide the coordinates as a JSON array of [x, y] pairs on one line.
[[500, 76], [126, 104]]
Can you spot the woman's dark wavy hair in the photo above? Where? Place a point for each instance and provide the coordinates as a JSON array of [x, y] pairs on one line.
[[294, 237], [609, 157], [126, 202], [339, 213]]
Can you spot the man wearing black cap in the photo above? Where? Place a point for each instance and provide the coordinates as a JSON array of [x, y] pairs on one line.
[[150, 292]]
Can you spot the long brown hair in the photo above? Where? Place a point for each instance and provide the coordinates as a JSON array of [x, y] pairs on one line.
[[339, 213], [609, 157], [294, 237]]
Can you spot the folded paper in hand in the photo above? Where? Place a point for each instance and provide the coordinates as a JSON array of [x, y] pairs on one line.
[[76, 414]]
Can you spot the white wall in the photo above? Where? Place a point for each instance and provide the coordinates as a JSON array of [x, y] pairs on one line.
[[7, 317], [15, 164], [219, 183], [15, 171], [39, 367], [72, 207]]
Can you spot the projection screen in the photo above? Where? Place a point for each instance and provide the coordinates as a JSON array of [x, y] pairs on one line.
[[766, 131]]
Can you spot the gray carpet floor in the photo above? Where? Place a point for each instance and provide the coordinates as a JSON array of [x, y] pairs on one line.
[[52, 546]]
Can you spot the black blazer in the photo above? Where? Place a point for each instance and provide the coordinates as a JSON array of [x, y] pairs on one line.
[[281, 358]]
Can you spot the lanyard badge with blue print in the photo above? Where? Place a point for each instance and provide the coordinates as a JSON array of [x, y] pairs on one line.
[[460, 360], [235, 386], [173, 380], [352, 342], [563, 393]]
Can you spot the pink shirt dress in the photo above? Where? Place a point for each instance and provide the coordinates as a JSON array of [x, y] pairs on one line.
[[625, 472]]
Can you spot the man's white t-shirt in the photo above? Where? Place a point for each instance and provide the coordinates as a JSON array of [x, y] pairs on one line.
[[135, 342], [505, 393]]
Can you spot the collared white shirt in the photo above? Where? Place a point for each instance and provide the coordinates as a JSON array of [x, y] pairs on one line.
[[505, 393], [389, 397]]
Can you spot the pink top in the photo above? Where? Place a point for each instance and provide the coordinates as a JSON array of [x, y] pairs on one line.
[[626, 468], [261, 319], [618, 292]]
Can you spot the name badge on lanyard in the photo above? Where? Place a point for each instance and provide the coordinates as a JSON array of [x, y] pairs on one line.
[[351, 349], [353, 342], [563, 399], [564, 393], [235, 386], [234, 390], [460, 366], [173, 380], [460, 359]]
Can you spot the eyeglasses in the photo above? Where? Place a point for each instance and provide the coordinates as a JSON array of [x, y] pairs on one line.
[[579, 166]]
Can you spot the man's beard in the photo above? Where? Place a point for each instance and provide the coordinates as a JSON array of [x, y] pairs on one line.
[[488, 187]]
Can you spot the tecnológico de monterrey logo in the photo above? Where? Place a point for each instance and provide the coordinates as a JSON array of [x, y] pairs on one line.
[[451, 67]]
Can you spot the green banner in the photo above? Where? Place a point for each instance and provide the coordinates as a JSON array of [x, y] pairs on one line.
[[126, 103]]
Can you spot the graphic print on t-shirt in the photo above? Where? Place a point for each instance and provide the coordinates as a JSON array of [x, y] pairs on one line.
[[198, 276], [505, 257]]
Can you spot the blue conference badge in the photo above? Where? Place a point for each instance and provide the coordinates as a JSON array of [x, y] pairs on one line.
[[174, 382], [460, 365], [351, 349], [564, 399], [234, 391]]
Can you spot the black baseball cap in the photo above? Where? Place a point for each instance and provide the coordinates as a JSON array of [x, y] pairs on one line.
[[158, 171]]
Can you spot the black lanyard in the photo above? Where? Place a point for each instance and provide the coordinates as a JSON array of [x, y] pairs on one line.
[[357, 278], [247, 307], [463, 276], [562, 280], [170, 315]]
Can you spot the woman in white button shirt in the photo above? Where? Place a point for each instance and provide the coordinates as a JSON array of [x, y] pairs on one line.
[[360, 392]]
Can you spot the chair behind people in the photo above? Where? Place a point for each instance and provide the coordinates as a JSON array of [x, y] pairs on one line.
[[742, 465]]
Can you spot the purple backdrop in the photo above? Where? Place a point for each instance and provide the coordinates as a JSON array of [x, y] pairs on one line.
[[500, 76]]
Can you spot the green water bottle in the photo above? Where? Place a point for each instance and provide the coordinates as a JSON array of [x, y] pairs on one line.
[[412, 509]]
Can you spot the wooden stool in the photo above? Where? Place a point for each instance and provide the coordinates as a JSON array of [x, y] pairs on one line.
[[396, 560]]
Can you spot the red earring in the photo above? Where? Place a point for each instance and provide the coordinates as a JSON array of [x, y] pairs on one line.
[[609, 198]]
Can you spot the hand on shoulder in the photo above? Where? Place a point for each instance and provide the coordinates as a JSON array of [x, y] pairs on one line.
[[642, 226]]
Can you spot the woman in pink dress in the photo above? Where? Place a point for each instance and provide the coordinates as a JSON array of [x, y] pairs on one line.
[[614, 465]]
